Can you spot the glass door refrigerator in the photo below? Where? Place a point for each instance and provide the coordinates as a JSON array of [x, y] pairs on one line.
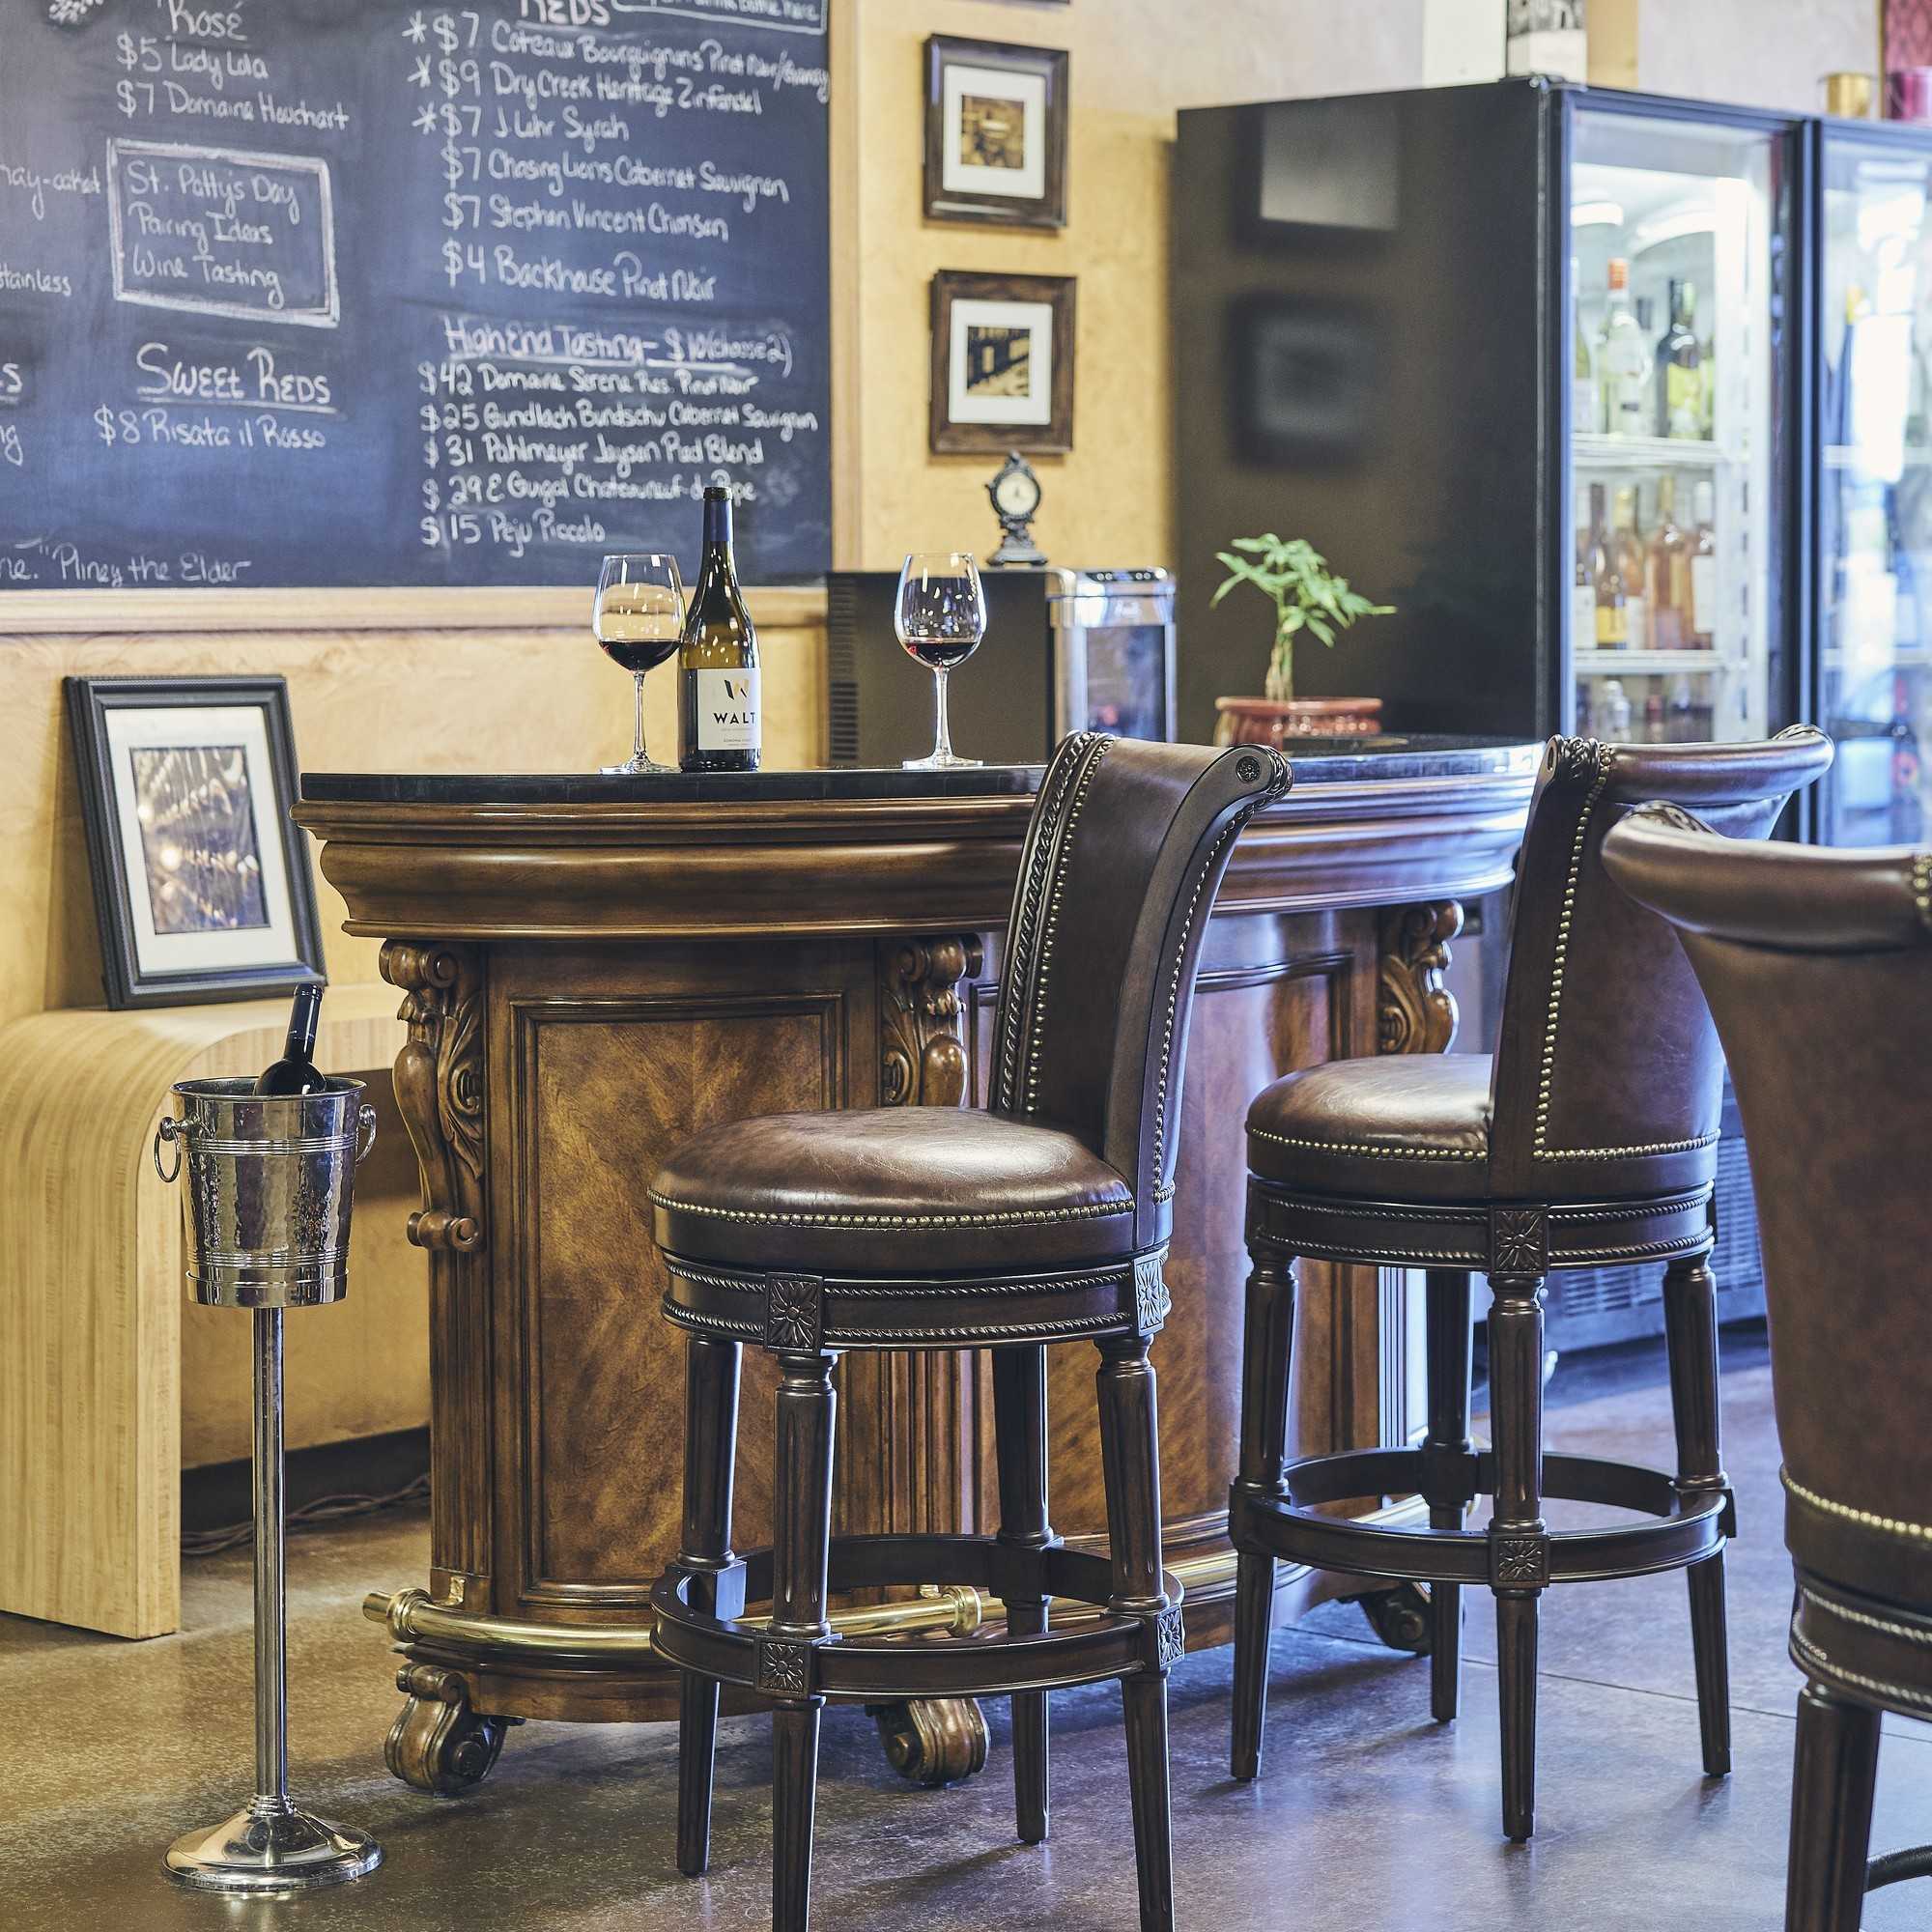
[[1874, 480], [1520, 359], [1529, 361]]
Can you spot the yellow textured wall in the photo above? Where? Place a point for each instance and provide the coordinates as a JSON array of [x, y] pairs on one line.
[[1132, 64]]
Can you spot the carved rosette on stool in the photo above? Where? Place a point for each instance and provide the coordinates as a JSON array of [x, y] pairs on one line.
[[923, 1063], [438, 1744]]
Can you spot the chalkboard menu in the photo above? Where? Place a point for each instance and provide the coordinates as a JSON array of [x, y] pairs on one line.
[[334, 292]]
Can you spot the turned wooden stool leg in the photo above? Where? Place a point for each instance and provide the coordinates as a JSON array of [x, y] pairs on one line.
[[710, 1446], [1690, 1332], [1519, 1536], [1264, 1406], [1019, 1422], [802, 1534], [1448, 1353], [1130, 1468], [1833, 1774]]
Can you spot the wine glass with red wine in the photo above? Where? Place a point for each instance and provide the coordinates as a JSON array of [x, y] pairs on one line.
[[638, 619], [941, 618]]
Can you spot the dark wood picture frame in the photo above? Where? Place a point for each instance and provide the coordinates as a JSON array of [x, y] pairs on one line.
[[1047, 64], [89, 703], [1053, 437]]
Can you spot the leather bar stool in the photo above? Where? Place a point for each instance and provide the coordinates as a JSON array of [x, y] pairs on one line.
[[1818, 967], [1042, 1217], [1590, 1139]]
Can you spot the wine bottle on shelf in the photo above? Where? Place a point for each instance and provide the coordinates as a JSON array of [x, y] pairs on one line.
[[1587, 401], [1668, 574], [1654, 728], [1680, 369], [1630, 567], [1681, 728], [1606, 585], [1623, 359], [718, 659], [1703, 621], [294, 1074], [1610, 717]]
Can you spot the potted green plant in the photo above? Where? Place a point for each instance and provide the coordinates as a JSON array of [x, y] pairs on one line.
[[1294, 577]]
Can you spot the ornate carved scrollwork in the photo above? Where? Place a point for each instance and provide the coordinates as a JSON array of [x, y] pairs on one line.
[[1415, 1012], [923, 1057], [438, 1084], [438, 1744]]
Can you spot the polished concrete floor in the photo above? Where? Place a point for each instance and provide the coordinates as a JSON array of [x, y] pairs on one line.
[[1367, 1816]]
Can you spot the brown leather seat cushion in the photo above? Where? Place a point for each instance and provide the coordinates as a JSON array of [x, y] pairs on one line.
[[932, 1190], [1404, 1126]]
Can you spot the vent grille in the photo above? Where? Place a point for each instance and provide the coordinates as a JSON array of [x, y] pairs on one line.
[[1594, 1306], [841, 670]]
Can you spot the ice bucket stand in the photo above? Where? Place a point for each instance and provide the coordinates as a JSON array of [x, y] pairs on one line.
[[270, 1184]]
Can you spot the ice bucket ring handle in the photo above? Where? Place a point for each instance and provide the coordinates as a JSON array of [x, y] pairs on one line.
[[172, 1131], [365, 1120]]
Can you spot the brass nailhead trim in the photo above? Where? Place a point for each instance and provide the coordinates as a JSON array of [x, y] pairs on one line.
[[1037, 1019], [1623, 1153], [1922, 887], [1865, 1519], [1015, 1217], [1602, 757], [1375, 1151], [1897, 1693], [1851, 1616], [1174, 993]]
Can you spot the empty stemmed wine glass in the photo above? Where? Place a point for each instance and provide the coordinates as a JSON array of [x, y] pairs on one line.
[[638, 619], [940, 617]]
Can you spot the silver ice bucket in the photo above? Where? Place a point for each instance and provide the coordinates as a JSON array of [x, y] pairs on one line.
[[270, 1186]]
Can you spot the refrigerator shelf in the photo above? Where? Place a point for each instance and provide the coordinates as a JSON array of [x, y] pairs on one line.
[[1657, 664], [1595, 450], [1910, 657], [1854, 456]]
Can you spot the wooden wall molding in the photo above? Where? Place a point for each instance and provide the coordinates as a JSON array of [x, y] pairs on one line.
[[506, 607]]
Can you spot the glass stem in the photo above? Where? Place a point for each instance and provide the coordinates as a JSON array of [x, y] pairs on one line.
[[637, 753], [941, 733]]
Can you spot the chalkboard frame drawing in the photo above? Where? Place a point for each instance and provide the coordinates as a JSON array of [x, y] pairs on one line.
[[1023, 182], [202, 881], [984, 329]]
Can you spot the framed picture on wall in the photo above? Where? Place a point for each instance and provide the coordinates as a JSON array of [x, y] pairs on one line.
[[1002, 364], [995, 132], [201, 881]]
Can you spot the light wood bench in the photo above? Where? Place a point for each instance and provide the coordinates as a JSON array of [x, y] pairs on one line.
[[92, 1288]]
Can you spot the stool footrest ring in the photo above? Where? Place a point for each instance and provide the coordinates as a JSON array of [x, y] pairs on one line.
[[886, 1668], [1688, 1526]]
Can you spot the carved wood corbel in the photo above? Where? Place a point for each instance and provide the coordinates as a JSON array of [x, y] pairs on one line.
[[923, 1055], [439, 1083], [1415, 1012]]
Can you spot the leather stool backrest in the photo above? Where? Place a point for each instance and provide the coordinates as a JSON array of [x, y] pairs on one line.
[[1608, 1078], [1127, 843], [1818, 968]]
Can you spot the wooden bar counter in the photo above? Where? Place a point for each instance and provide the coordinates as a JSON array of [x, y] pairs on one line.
[[593, 968]]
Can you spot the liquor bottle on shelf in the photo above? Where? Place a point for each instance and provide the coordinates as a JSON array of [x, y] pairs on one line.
[[1584, 597], [1703, 624], [1612, 712], [294, 1074], [1707, 355], [1630, 567], [1654, 728], [1680, 370], [1668, 574], [1623, 359], [1586, 400], [718, 659], [1607, 583]]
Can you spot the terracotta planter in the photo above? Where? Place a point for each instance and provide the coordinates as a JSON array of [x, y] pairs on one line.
[[1278, 722]]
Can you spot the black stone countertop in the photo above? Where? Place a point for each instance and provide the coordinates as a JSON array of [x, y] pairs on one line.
[[1316, 761]]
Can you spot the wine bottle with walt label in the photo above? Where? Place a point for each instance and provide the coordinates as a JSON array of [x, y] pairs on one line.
[[718, 724]]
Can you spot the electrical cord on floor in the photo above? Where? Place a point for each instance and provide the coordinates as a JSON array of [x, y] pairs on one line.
[[325, 1509]]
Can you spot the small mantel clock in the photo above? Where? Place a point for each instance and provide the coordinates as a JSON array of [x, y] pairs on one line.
[[1015, 494]]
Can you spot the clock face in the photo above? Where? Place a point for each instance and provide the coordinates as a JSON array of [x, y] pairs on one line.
[[1017, 492]]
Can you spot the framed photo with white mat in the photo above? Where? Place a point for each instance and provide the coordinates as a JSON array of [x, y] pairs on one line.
[[201, 881], [1002, 364], [995, 132]]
